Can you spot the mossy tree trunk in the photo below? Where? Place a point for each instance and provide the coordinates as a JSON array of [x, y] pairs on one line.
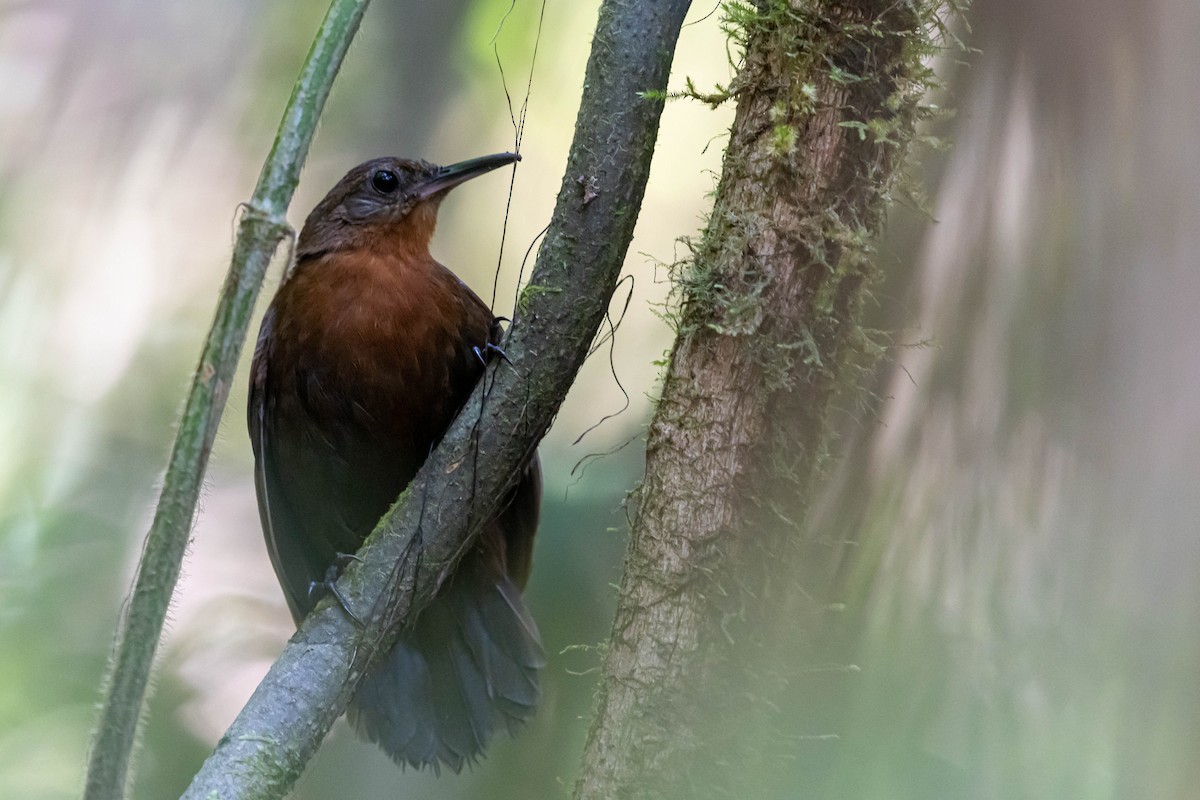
[[828, 99]]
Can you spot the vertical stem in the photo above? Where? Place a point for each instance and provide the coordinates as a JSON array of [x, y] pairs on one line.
[[262, 227]]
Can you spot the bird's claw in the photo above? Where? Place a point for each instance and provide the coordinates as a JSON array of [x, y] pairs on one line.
[[332, 573], [482, 353]]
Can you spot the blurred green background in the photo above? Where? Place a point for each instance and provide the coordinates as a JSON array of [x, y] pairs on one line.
[[1013, 530]]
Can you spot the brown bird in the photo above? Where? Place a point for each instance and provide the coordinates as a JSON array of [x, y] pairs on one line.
[[365, 355]]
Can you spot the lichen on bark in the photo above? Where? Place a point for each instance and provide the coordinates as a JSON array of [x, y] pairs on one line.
[[829, 96]]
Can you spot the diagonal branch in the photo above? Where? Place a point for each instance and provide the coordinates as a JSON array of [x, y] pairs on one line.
[[262, 227], [461, 484]]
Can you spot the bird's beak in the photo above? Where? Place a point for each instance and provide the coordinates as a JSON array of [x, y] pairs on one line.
[[446, 178]]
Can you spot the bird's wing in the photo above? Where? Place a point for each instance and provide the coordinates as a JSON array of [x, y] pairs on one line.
[[256, 412], [274, 516], [298, 472]]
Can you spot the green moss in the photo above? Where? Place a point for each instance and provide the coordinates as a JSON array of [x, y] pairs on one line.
[[532, 292], [877, 71]]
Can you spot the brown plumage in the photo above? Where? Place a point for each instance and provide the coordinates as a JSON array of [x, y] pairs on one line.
[[365, 355]]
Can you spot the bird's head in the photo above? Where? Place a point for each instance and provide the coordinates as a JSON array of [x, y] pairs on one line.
[[388, 202]]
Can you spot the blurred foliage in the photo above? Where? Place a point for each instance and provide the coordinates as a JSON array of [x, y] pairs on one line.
[[1016, 605]]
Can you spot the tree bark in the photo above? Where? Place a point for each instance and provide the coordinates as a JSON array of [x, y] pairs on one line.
[[827, 104]]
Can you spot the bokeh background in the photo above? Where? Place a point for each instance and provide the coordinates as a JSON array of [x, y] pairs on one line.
[[1014, 526]]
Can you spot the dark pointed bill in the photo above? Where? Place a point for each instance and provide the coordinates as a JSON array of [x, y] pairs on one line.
[[446, 178]]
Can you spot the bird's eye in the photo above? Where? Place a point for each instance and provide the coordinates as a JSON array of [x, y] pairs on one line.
[[385, 181]]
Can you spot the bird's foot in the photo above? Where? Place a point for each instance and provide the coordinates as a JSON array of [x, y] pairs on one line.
[[488, 350], [332, 573]]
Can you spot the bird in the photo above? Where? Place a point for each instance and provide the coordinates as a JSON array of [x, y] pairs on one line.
[[366, 353]]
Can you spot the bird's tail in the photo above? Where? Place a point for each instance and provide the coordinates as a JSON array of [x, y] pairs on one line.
[[469, 666]]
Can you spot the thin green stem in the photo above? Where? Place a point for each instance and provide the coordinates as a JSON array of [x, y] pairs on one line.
[[262, 227]]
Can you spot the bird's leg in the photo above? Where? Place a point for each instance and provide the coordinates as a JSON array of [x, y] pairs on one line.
[[332, 573]]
